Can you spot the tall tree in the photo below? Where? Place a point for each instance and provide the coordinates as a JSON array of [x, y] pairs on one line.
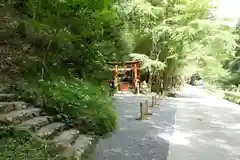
[[180, 35]]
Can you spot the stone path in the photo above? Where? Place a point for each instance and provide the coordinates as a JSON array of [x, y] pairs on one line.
[[194, 126], [69, 141]]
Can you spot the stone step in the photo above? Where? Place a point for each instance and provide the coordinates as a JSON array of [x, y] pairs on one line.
[[16, 117], [81, 146], [35, 123], [6, 107], [66, 138], [3, 89], [7, 97], [50, 129]]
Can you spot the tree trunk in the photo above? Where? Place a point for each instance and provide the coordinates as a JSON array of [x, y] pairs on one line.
[[165, 80]]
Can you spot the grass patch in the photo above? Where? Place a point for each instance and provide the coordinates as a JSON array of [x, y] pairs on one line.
[[233, 96], [217, 90], [20, 145]]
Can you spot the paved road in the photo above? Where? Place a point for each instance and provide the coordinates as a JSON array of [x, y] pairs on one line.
[[194, 126]]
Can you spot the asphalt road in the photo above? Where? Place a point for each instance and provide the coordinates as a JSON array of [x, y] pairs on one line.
[[193, 126]]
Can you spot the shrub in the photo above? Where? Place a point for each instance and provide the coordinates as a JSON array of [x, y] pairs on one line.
[[233, 96], [79, 102], [20, 145]]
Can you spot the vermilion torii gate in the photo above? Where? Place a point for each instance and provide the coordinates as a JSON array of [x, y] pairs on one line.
[[131, 73]]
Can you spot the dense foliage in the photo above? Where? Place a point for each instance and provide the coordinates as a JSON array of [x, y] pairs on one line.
[[233, 67], [60, 48], [78, 102], [178, 38], [66, 44], [231, 82]]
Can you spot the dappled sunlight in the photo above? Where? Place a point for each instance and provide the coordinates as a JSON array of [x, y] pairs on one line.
[[218, 123], [216, 116], [229, 148], [234, 126], [128, 116], [128, 111], [183, 120], [202, 141], [166, 123], [178, 138], [148, 121], [123, 129], [114, 150], [235, 112], [157, 127], [212, 124]]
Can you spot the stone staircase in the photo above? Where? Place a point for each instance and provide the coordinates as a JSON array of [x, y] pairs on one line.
[[22, 116]]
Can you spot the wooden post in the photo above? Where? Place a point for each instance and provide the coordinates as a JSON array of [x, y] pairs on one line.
[[138, 88], [146, 107], [141, 111], [153, 101]]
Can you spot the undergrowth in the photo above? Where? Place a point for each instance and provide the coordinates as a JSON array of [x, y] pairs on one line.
[[233, 96], [74, 37], [20, 145], [231, 93], [79, 102]]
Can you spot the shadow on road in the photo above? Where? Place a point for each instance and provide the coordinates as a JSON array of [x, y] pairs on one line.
[[191, 126]]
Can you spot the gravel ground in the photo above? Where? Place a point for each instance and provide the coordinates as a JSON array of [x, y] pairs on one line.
[[194, 126]]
